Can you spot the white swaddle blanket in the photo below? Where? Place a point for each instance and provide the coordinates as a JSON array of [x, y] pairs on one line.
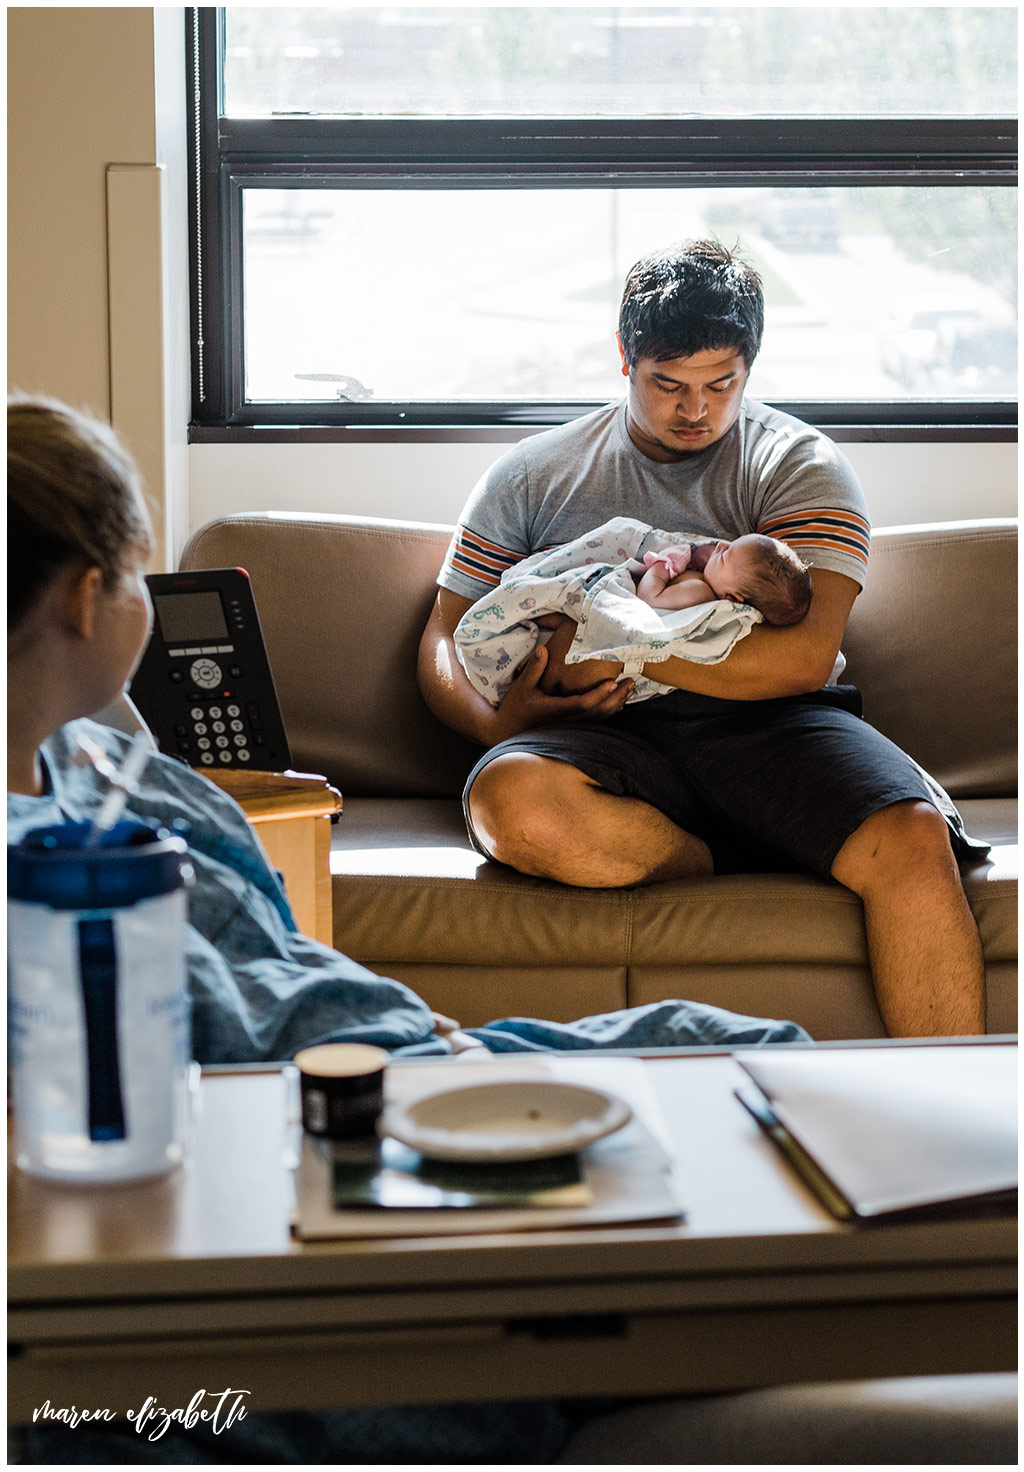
[[588, 580]]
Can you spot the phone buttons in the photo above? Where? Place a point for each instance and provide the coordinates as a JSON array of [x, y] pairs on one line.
[[176, 676], [235, 671], [206, 674], [244, 756], [197, 713], [240, 741], [225, 756], [203, 743], [237, 725], [219, 726], [206, 758], [221, 741], [233, 710], [200, 728]]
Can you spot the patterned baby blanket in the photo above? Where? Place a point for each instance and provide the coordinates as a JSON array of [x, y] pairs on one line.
[[588, 580]]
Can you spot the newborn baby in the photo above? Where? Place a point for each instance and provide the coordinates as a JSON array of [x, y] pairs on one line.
[[754, 569]]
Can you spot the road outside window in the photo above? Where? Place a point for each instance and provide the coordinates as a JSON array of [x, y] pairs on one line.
[[447, 294]]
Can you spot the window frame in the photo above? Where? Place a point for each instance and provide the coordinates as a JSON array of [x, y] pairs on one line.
[[231, 154]]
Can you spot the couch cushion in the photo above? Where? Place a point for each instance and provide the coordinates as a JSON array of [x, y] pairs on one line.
[[931, 643], [412, 899], [344, 654], [408, 887]]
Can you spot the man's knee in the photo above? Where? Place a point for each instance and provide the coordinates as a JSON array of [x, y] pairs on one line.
[[894, 846], [514, 805]]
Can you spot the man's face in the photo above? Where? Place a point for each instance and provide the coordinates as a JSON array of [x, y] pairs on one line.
[[679, 405]]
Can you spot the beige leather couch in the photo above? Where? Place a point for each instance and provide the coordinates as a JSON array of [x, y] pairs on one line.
[[343, 600]]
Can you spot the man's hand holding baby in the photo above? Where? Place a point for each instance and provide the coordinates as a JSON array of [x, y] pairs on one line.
[[585, 678]]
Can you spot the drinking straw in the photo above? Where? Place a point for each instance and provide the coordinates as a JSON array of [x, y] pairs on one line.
[[123, 780]]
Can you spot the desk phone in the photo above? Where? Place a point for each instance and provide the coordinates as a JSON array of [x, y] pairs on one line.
[[204, 685]]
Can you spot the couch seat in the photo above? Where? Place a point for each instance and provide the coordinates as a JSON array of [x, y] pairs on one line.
[[413, 900]]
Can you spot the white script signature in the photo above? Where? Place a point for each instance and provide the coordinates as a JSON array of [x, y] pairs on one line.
[[220, 1416]]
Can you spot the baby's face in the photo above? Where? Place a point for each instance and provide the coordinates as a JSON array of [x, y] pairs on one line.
[[729, 567]]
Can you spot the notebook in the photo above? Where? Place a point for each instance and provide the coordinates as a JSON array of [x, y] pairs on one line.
[[876, 1131]]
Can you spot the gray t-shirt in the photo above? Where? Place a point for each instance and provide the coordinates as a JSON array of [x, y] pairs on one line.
[[769, 474]]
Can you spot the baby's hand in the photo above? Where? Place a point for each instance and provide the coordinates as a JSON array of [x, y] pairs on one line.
[[674, 559]]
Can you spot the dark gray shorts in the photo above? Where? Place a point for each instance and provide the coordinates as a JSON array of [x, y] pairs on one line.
[[767, 784]]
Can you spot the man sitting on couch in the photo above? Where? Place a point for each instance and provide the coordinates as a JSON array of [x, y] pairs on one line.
[[759, 762]]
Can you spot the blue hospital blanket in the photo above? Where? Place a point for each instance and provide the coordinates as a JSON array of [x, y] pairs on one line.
[[260, 990]]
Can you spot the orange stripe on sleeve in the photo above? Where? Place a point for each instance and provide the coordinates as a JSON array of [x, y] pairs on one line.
[[838, 531]]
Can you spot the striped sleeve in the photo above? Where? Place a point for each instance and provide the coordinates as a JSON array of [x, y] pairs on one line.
[[475, 557], [493, 532], [833, 532]]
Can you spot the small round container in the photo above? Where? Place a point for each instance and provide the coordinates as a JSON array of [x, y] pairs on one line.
[[342, 1089]]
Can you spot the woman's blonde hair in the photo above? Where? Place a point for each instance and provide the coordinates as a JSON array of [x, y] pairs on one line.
[[73, 496]]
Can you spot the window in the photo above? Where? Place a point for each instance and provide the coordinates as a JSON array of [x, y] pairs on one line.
[[424, 214]]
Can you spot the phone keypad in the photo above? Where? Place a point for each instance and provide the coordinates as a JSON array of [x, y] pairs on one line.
[[221, 734]]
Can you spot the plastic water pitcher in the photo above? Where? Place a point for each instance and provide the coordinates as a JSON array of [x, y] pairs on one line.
[[99, 1010]]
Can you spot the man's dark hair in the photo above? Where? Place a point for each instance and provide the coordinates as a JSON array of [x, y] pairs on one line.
[[688, 299]]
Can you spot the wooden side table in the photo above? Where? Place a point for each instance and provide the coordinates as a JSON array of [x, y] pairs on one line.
[[291, 812]]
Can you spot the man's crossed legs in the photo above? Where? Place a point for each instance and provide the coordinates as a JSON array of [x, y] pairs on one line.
[[530, 807]]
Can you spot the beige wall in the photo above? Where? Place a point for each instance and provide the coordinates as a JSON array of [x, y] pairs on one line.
[[430, 482], [89, 88]]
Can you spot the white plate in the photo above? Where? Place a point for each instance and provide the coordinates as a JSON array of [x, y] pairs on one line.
[[522, 1120]]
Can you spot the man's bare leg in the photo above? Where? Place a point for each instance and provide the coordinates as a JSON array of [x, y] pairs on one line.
[[547, 818], [926, 957]]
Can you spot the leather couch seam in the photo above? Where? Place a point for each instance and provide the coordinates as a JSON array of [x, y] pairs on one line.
[[992, 888], [931, 539], [381, 534], [627, 937]]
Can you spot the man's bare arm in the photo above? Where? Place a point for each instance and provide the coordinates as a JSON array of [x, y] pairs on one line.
[[770, 662], [447, 690]]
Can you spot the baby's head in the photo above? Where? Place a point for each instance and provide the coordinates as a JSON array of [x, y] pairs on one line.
[[763, 572]]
